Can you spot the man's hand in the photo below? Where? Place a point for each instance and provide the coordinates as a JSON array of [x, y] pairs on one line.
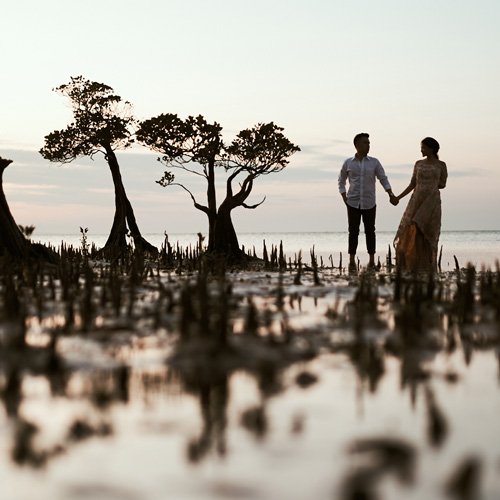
[[393, 199]]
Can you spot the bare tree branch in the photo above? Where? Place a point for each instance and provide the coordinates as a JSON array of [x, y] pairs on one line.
[[253, 206], [196, 204], [180, 166]]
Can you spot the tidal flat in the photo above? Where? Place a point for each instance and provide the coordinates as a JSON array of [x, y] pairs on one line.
[[170, 378]]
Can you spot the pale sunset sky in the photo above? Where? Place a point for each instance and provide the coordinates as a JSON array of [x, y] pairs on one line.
[[322, 69]]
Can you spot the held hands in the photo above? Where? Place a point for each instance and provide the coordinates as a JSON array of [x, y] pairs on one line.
[[393, 199]]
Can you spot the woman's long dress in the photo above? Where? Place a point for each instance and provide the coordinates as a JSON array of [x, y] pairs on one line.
[[416, 241]]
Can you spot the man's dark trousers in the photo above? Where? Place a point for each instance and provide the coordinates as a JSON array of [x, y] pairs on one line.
[[354, 217]]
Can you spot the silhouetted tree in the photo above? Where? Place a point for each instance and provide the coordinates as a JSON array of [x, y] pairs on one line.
[[196, 146], [12, 240], [102, 123]]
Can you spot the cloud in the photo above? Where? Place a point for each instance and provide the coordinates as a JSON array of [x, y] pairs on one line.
[[319, 153], [101, 190], [479, 172], [25, 189]]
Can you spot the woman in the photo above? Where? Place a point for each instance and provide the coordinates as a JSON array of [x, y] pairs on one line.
[[416, 241]]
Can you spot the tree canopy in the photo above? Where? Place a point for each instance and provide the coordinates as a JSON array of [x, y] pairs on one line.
[[260, 150], [196, 146], [103, 123]]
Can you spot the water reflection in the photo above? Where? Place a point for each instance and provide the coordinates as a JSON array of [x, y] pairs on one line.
[[406, 339], [376, 458], [213, 397]]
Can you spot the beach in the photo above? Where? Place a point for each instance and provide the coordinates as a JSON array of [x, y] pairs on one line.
[[253, 384]]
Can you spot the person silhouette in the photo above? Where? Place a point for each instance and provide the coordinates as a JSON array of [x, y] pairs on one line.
[[417, 237], [361, 171]]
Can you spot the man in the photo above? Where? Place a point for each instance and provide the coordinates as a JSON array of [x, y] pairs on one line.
[[361, 171]]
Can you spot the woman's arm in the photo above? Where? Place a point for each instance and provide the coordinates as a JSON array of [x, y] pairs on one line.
[[444, 176], [412, 184]]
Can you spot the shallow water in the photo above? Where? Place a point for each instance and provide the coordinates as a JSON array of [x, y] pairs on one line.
[[303, 453], [146, 427], [477, 247]]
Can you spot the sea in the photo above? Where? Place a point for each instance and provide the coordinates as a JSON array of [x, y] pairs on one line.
[[479, 248]]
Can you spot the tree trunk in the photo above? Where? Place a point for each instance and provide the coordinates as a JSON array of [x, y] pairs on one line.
[[116, 239], [12, 241], [124, 213], [225, 239], [212, 205], [212, 219]]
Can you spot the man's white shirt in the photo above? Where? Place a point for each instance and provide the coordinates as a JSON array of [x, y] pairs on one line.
[[362, 175]]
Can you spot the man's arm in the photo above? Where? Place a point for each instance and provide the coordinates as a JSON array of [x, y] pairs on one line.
[[392, 198], [382, 177], [342, 181]]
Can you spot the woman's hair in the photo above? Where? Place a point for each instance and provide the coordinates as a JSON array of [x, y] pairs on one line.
[[432, 144]]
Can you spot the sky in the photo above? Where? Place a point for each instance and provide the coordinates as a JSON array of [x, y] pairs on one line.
[[323, 70]]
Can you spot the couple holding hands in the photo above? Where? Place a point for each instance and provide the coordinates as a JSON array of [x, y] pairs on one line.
[[416, 241]]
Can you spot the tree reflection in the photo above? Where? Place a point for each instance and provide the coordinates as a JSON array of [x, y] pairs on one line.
[[146, 336]]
